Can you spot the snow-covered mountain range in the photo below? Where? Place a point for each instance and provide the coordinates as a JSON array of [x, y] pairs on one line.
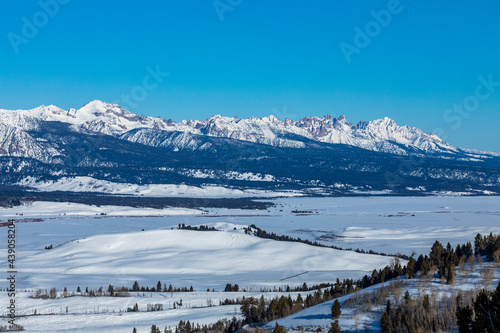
[[102, 146], [382, 135]]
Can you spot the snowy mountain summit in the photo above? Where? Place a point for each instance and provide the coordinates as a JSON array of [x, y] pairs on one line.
[[382, 135]]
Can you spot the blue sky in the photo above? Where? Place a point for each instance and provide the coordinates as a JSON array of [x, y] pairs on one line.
[[421, 63]]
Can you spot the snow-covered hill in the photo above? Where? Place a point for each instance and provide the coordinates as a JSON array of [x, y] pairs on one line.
[[192, 254], [98, 117]]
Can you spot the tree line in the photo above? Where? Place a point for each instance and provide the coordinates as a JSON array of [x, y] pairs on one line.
[[253, 229]]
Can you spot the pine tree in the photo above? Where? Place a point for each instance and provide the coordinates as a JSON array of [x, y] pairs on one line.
[[386, 324], [396, 321], [410, 268], [335, 327], [436, 255], [407, 296], [336, 312], [425, 266], [134, 330]]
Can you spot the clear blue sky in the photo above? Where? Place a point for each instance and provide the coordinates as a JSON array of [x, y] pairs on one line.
[[264, 57]]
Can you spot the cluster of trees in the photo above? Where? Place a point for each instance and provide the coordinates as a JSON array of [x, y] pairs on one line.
[[430, 313], [221, 326], [230, 287], [160, 288], [482, 315], [43, 294], [182, 226], [258, 311], [382, 275], [9, 202], [446, 259], [264, 234], [488, 246], [304, 287], [419, 315], [441, 259], [111, 291], [226, 326], [426, 314]]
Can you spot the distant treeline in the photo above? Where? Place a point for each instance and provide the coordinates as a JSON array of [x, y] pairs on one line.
[[13, 196], [284, 238], [182, 226]]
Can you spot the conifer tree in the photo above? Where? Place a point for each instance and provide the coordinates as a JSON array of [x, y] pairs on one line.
[[386, 324], [158, 286], [336, 312], [407, 296], [335, 327], [410, 268]]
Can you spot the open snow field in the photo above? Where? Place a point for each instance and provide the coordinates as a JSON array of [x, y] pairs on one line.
[[91, 249]]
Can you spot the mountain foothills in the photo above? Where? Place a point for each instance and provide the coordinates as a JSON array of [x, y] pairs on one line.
[[319, 156]]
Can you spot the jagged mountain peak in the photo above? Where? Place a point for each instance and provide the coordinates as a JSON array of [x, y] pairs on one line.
[[100, 117]]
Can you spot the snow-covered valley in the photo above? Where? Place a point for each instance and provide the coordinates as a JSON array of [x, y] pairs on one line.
[[97, 246]]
